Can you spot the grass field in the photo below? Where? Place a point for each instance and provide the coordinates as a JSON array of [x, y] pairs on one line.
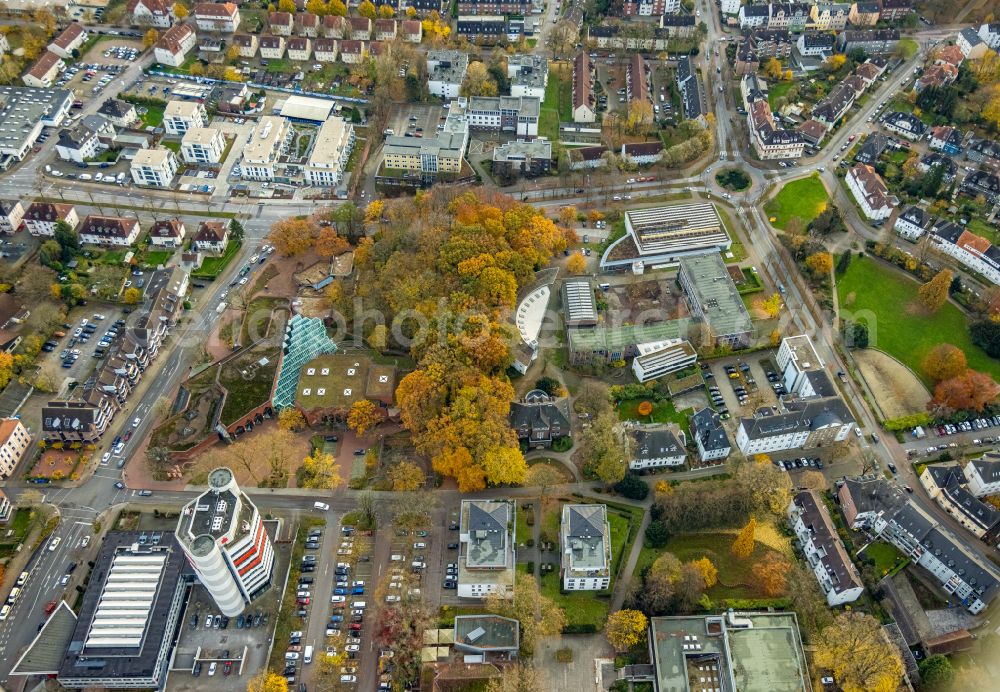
[[908, 48], [211, 267], [885, 556], [899, 327], [581, 607], [980, 227], [778, 90], [558, 103], [663, 412], [804, 199], [155, 258]]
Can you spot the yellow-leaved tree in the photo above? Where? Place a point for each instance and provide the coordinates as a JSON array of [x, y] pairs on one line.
[[743, 545], [363, 416], [626, 629], [860, 655]]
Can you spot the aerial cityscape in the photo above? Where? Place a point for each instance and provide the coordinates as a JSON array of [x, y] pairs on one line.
[[500, 345]]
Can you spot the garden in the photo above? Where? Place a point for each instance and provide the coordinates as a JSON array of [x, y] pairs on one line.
[[647, 411], [211, 267], [733, 179], [558, 103], [57, 463], [803, 199], [897, 324]]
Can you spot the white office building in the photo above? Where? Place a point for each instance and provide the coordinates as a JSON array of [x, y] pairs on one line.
[[660, 358], [223, 535], [261, 153]]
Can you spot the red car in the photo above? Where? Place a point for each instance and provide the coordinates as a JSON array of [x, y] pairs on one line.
[[227, 668], [303, 601]]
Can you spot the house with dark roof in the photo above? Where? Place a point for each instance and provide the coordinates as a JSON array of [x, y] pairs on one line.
[[540, 419], [710, 436], [656, 446], [41, 217], [770, 141], [983, 475], [119, 113], [864, 13], [945, 138], [212, 236], [812, 131], [972, 47], [883, 510], [487, 534], [585, 540], [872, 148], [972, 250], [642, 153], [831, 109], [913, 223], [871, 41], [945, 484], [687, 83], [815, 44], [905, 124], [985, 183], [936, 159], [984, 151], [771, 43], [753, 16], [12, 317], [803, 424], [938, 76], [747, 60], [11, 215], [823, 550], [583, 85], [109, 230], [587, 158], [68, 43], [870, 192], [990, 35], [896, 10]]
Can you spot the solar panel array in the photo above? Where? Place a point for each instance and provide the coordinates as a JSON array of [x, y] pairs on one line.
[[127, 600]]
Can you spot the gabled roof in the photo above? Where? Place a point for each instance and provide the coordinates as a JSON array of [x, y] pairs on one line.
[[211, 231], [69, 35], [167, 228]]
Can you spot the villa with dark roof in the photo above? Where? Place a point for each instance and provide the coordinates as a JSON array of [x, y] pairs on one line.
[[710, 437], [945, 484], [804, 423], [540, 419]]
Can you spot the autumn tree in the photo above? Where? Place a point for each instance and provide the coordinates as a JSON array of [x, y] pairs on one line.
[[768, 488], [6, 368], [543, 476], [132, 295], [150, 37], [969, 391], [860, 655], [709, 571], [626, 629], [363, 416], [269, 450], [577, 263], [320, 472], [292, 236], [291, 419], [367, 9], [604, 449], [539, 615], [934, 293], [820, 264], [593, 398], [287, 6], [594, 216], [180, 10], [658, 589], [943, 362], [267, 681], [771, 572], [378, 338], [374, 210], [329, 243], [770, 306], [337, 8], [317, 7], [936, 672], [638, 116], [386, 12], [744, 543], [772, 69], [567, 216], [835, 62], [406, 475], [478, 81]]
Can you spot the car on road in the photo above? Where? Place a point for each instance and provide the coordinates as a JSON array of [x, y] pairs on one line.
[[145, 493], [136, 421], [55, 543]]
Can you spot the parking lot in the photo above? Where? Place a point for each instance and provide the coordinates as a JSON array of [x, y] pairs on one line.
[[107, 58], [427, 118]]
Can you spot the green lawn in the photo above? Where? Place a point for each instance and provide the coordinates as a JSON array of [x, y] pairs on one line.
[[19, 525], [777, 90], [155, 258], [172, 146], [886, 298], [211, 267], [908, 48], [663, 412], [153, 116], [885, 556], [581, 607], [558, 104], [804, 199], [980, 227], [521, 528]]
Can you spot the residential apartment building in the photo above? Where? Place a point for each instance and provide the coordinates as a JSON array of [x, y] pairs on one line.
[[155, 13], [203, 145], [41, 217], [121, 114], [482, 28], [528, 74], [913, 223], [44, 71], [817, 537], [871, 41], [446, 72], [904, 124], [515, 114], [14, 442], [650, 8], [770, 141], [181, 116], [280, 23], [945, 484], [109, 230], [690, 89], [864, 13], [353, 52], [895, 10], [154, 167], [223, 536], [983, 475], [656, 447], [325, 50], [272, 47], [710, 436], [299, 48], [516, 7], [829, 16], [212, 236], [11, 215], [973, 251], [972, 47], [585, 540], [174, 45], [78, 145], [267, 142], [331, 150], [487, 554], [583, 85], [361, 29], [429, 156], [870, 192], [246, 44], [223, 17], [883, 511], [990, 35], [522, 158], [801, 424], [67, 44]]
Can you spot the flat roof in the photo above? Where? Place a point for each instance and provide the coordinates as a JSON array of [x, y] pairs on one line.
[[265, 140], [151, 157], [182, 109], [803, 354], [306, 108], [486, 633], [131, 646], [333, 381], [218, 514], [713, 289], [486, 523], [23, 107], [200, 135], [330, 142], [579, 303]]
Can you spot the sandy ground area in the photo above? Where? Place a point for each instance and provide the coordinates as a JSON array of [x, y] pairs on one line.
[[900, 393]]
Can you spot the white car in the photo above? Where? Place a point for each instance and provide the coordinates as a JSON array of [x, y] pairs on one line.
[[352, 647], [136, 421], [392, 598], [106, 458], [349, 678], [85, 542], [55, 543], [338, 599], [243, 281], [64, 581]]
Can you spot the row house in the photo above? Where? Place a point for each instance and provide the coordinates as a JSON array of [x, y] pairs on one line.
[[67, 43], [612, 37], [109, 230], [41, 217], [281, 23], [482, 28], [299, 48], [829, 16], [642, 153], [325, 50], [650, 8], [361, 28], [864, 14], [583, 86], [676, 26], [870, 192], [984, 151], [945, 484], [223, 17], [823, 550], [872, 504], [155, 13], [517, 7], [973, 251], [871, 41]]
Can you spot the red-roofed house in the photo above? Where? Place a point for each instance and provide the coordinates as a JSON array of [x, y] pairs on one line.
[[870, 192], [158, 13], [43, 73], [174, 45], [69, 40], [212, 236], [413, 30], [217, 16], [308, 24], [167, 233], [281, 23], [583, 109], [109, 230], [951, 55]]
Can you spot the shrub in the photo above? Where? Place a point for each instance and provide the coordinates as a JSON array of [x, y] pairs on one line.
[[564, 655], [657, 534], [632, 487], [530, 566]]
